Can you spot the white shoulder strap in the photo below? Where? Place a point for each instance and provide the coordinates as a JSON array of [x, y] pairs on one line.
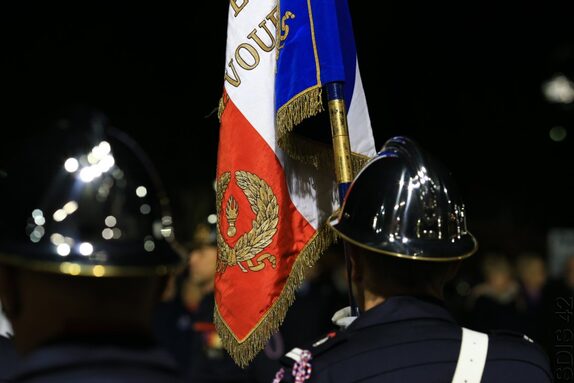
[[295, 354], [472, 357]]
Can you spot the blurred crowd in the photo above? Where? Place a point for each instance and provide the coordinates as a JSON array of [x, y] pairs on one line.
[[515, 294]]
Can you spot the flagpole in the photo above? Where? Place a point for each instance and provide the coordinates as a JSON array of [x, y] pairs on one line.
[[342, 154]]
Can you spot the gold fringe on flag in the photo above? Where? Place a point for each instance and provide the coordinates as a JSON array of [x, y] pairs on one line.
[[304, 105], [317, 154], [243, 351], [307, 104]]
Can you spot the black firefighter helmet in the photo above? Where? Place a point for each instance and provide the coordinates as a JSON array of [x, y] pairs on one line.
[[404, 203], [83, 199]]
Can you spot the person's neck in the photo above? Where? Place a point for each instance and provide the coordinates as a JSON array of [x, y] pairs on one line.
[[373, 299], [193, 293], [207, 287], [35, 336]]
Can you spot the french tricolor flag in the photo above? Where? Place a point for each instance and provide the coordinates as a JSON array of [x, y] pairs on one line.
[[275, 189]]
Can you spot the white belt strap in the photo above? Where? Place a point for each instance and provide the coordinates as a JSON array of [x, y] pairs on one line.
[[472, 357]]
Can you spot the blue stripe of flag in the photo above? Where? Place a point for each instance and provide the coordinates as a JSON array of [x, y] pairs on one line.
[[330, 21]]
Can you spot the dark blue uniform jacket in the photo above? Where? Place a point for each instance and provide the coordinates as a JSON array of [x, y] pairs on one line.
[[408, 339], [8, 358], [84, 362]]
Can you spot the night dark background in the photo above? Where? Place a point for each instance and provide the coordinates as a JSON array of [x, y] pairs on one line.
[[464, 80]]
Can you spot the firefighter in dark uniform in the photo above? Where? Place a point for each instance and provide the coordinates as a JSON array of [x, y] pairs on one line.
[[184, 324], [184, 321], [404, 225], [85, 249]]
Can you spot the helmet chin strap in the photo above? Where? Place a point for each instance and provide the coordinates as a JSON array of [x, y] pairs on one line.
[[343, 168], [352, 301]]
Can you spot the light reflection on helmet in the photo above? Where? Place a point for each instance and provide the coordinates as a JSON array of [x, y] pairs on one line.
[[406, 204], [85, 200]]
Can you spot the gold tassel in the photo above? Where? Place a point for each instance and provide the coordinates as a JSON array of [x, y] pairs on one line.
[[317, 154], [357, 162], [243, 352], [220, 109], [222, 104], [306, 104]]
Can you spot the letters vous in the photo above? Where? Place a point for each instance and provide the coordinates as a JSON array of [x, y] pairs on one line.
[[247, 54]]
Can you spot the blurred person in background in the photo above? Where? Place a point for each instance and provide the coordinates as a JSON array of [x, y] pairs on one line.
[[183, 321], [532, 275], [85, 232], [569, 274], [496, 304], [557, 317], [562, 285], [207, 361]]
